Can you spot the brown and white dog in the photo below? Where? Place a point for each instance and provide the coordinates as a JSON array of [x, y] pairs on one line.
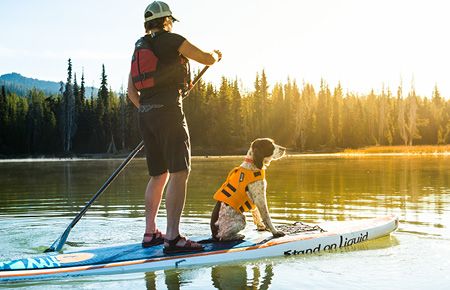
[[227, 222]]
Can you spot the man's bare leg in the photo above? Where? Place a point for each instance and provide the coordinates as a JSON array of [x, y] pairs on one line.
[[153, 196], [175, 198]]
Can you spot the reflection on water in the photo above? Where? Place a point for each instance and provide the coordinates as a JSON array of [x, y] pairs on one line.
[[235, 276], [39, 199], [250, 275], [247, 276]]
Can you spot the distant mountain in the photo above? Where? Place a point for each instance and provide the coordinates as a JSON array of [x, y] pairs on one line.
[[20, 85]]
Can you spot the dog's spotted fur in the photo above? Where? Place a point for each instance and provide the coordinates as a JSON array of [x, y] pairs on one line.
[[226, 223]]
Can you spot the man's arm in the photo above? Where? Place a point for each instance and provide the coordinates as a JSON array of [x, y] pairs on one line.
[[133, 93], [192, 52]]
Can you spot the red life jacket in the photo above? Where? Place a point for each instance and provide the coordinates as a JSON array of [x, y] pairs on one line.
[[148, 71]]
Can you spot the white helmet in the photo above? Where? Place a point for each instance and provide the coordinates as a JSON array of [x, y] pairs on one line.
[[157, 9]]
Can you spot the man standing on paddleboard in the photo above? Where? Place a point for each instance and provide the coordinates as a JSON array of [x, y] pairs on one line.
[[159, 77]]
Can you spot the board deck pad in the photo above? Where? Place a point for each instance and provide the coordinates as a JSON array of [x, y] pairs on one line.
[[121, 253]]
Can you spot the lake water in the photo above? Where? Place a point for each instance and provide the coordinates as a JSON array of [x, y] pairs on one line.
[[38, 199]]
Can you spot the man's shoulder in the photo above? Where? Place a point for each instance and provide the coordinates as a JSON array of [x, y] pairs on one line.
[[171, 40], [164, 39], [141, 41], [174, 36]]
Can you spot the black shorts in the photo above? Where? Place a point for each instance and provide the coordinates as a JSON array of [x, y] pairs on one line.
[[166, 139]]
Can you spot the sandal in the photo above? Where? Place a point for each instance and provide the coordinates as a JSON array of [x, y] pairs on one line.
[[157, 239], [189, 246]]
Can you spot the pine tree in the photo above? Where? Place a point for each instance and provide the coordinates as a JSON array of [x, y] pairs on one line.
[[256, 109], [263, 103], [16, 130], [337, 119], [413, 132], [288, 122], [92, 96], [358, 131], [122, 117], [77, 97], [82, 90], [276, 111], [104, 113], [83, 118], [224, 122], [210, 115], [381, 118], [295, 100], [68, 111], [401, 118], [390, 118], [437, 111], [324, 114], [103, 93], [235, 111], [41, 124]]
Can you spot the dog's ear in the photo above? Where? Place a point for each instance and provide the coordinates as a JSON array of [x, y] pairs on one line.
[[262, 148], [258, 156]]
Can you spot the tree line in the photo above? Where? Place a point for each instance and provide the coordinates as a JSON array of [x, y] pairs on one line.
[[67, 123], [304, 118], [224, 119]]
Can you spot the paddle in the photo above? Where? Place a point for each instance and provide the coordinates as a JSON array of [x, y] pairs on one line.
[[195, 81], [59, 243]]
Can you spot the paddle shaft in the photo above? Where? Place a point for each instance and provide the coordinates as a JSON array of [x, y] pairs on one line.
[[195, 81], [199, 76], [107, 183], [59, 243]]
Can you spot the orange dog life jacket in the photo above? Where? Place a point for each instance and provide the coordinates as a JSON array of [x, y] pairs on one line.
[[234, 190]]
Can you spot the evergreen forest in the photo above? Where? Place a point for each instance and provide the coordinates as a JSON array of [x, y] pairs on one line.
[[224, 119]]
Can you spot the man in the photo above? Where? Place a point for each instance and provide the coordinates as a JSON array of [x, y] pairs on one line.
[[158, 78]]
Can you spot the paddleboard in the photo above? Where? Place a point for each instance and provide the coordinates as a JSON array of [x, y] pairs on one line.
[[133, 258]]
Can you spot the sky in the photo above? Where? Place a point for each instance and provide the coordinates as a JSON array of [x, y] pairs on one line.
[[363, 45]]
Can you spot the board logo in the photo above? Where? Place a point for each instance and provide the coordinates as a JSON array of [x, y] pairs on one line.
[[73, 258], [343, 242]]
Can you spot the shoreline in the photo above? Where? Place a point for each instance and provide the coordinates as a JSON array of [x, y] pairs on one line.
[[225, 157], [371, 151]]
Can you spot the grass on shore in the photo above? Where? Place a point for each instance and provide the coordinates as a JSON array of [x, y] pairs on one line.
[[417, 149]]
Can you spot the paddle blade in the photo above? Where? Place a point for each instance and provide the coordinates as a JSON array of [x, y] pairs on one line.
[[59, 243], [49, 250]]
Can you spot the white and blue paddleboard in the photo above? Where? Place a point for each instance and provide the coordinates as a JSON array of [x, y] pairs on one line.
[[134, 258]]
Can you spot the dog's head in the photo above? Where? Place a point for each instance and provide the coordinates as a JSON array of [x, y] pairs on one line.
[[264, 150]]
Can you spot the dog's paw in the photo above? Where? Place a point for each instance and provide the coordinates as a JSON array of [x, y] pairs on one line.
[[238, 237], [278, 234], [261, 227]]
